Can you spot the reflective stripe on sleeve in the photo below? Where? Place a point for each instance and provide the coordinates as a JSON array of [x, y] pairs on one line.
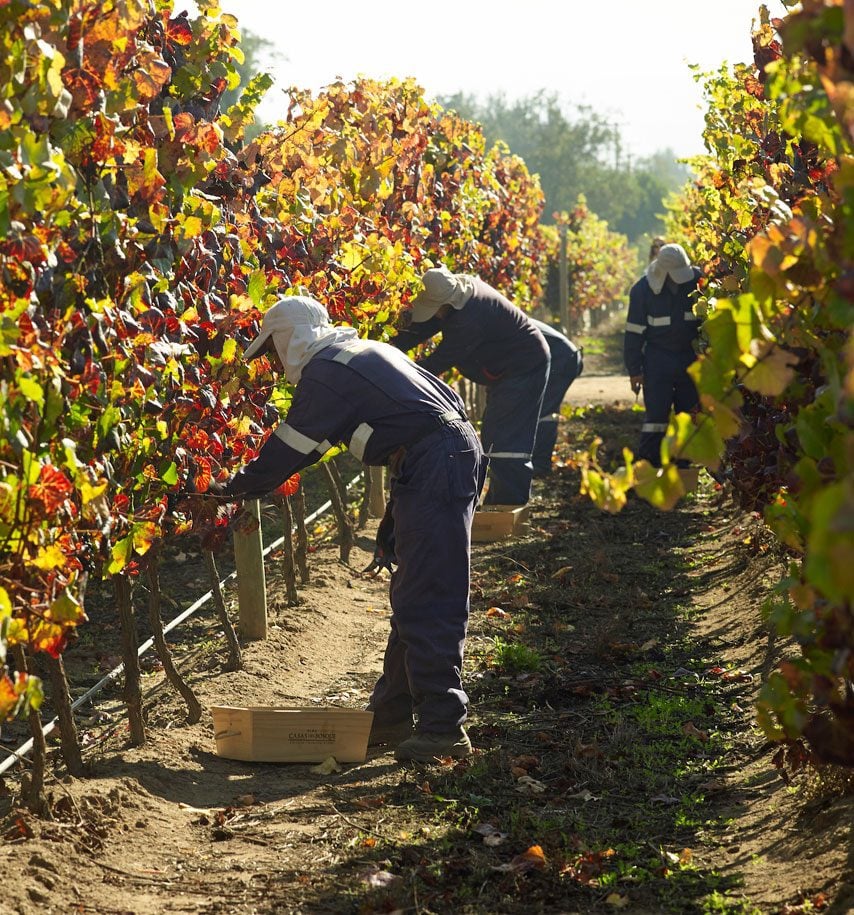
[[508, 454], [634, 328], [663, 321], [654, 427], [360, 440], [299, 442]]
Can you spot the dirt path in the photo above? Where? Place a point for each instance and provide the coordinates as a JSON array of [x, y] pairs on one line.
[[612, 666]]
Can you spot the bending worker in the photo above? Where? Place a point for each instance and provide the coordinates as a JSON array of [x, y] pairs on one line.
[[659, 344], [566, 364], [491, 342], [382, 406]]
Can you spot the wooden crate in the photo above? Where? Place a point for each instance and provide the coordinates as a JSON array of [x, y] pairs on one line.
[[270, 734], [498, 522]]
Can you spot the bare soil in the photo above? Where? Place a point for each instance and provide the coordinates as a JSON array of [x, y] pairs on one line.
[[612, 666]]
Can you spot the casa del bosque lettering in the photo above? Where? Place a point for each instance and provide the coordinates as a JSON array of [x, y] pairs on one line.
[[312, 735]]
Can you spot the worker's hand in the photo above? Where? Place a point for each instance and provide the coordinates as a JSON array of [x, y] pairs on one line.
[[217, 489], [384, 554], [636, 382]]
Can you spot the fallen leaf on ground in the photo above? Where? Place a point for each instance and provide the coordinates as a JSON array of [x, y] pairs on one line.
[[378, 878], [371, 802], [497, 611], [691, 730], [561, 572], [528, 785], [327, 767], [616, 900], [492, 836], [588, 750], [244, 800], [532, 859]]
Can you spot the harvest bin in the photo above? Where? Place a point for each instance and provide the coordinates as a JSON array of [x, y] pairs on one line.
[[497, 522], [270, 734]]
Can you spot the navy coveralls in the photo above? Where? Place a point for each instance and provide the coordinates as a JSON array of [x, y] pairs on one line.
[[376, 400], [659, 344], [565, 366], [492, 342]]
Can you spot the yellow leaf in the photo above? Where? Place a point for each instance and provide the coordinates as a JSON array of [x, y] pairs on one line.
[[770, 368], [49, 557], [144, 535], [661, 487], [328, 767], [190, 227], [66, 609]]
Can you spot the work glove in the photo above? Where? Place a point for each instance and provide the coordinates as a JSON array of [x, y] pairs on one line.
[[216, 489], [384, 555]]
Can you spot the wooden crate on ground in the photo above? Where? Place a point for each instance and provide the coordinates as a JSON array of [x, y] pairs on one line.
[[498, 522], [272, 734]]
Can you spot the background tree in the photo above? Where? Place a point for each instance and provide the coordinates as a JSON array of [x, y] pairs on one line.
[[259, 55], [580, 154]]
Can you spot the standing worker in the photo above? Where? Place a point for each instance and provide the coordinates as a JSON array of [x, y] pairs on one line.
[[659, 343], [387, 410], [566, 364], [494, 343]]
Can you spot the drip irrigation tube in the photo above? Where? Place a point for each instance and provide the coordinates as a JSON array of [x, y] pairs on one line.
[[19, 754]]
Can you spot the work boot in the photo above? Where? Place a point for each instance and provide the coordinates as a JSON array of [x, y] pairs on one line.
[[425, 746], [391, 732]]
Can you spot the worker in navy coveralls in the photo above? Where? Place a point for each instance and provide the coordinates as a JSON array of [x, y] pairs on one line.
[[385, 408], [492, 342], [659, 343], [565, 365]]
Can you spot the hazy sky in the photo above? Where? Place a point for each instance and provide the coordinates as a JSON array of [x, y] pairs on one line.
[[628, 59]]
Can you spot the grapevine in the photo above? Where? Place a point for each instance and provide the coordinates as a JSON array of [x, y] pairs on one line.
[[142, 243], [769, 217]]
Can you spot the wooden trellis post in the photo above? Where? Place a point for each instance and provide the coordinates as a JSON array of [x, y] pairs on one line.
[[563, 281], [251, 581], [376, 509]]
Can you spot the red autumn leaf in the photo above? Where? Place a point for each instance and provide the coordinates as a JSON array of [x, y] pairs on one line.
[[183, 123], [54, 646], [197, 439], [202, 481], [289, 487], [52, 489], [178, 30]]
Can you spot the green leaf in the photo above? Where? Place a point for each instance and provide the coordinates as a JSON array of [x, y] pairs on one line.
[[830, 546], [770, 369], [695, 439], [661, 487], [32, 390], [257, 287], [121, 554]]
